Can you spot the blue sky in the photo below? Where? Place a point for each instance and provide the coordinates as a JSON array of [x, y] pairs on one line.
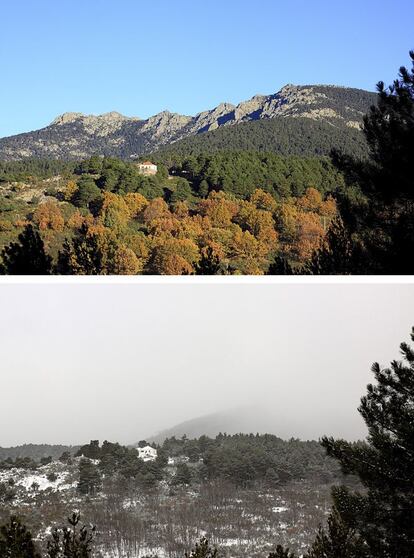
[[140, 57]]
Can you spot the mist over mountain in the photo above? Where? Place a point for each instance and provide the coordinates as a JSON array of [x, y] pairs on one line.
[[256, 419], [74, 135]]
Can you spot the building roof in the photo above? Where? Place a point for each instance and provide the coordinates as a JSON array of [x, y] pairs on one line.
[[147, 163]]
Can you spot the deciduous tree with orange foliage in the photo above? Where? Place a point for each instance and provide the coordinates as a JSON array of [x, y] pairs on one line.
[[114, 213], [123, 231], [136, 203], [310, 234], [172, 256], [126, 262], [48, 215], [219, 209]]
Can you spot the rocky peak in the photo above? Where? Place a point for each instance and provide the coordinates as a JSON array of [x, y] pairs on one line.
[[212, 119], [75, 135], [114, 115], [250, 109], [165, 123], [66, 118], [101, 124]]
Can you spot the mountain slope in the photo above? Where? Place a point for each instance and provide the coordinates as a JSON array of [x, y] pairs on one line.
[[257, 419], [285, 136], [76, 136]]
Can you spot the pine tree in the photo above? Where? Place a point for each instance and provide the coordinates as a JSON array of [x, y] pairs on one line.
[[87, 194], [381, 224], [202, 550], [87, 254], [271, 477], [280, 266], [209, 263], [16, 540], [338, 540], [26, 257], [69, 542], [182, 475], [281, 552], [203, 189], [89, 477], [382, 515]]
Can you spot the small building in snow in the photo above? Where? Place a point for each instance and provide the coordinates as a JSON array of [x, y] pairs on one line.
[[147, 453], [147, 167]]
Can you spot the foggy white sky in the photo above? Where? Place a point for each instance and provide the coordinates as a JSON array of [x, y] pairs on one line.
[[124, 361]]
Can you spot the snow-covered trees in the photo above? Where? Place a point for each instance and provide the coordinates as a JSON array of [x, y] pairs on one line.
[[378, 521], [71, 542], [16, 540], [383, 515]]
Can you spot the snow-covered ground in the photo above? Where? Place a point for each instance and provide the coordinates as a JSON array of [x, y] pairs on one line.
[[52, 476], [165, 523]]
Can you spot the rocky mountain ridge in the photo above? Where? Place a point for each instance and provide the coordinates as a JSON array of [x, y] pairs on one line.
[[75, 135]]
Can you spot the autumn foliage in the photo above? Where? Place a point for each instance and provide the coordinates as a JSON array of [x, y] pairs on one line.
[[131, 235], [49, 216]]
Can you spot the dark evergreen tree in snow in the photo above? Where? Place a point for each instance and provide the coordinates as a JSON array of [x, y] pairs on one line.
[[202, 550], [65, 457], [182, 475], [382, 516], [27, 256], [71, 542], [281, 552], [338, 540], [91, 450], [16, 540], [89, 477]]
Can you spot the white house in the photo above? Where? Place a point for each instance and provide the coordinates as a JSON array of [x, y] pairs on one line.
[[147, 453], [147, 168]]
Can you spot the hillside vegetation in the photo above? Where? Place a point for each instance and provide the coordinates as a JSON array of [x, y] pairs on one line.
[[245, 489], [286, 136], [215, 209], [249, 494], [226, 213]]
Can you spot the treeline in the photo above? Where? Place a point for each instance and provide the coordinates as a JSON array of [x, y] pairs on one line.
[[242, 459], [247, 458], [35, 451], [32, 463], [115, 460], [24, 463], [30, 168], [241, 172]]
